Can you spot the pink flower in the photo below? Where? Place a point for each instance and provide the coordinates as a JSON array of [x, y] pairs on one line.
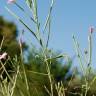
[[91, 30], [3, 55], [11, 1]]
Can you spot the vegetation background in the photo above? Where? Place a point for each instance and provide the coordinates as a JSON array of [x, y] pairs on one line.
[[43, 71]]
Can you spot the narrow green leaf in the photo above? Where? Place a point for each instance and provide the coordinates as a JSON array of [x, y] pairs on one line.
[[21, 21], [57, 57], [48, 17], [29, 3], [21, 8]]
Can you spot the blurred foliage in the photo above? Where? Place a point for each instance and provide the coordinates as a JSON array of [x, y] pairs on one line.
[[56, 65], [36, 68], [9, 31]]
